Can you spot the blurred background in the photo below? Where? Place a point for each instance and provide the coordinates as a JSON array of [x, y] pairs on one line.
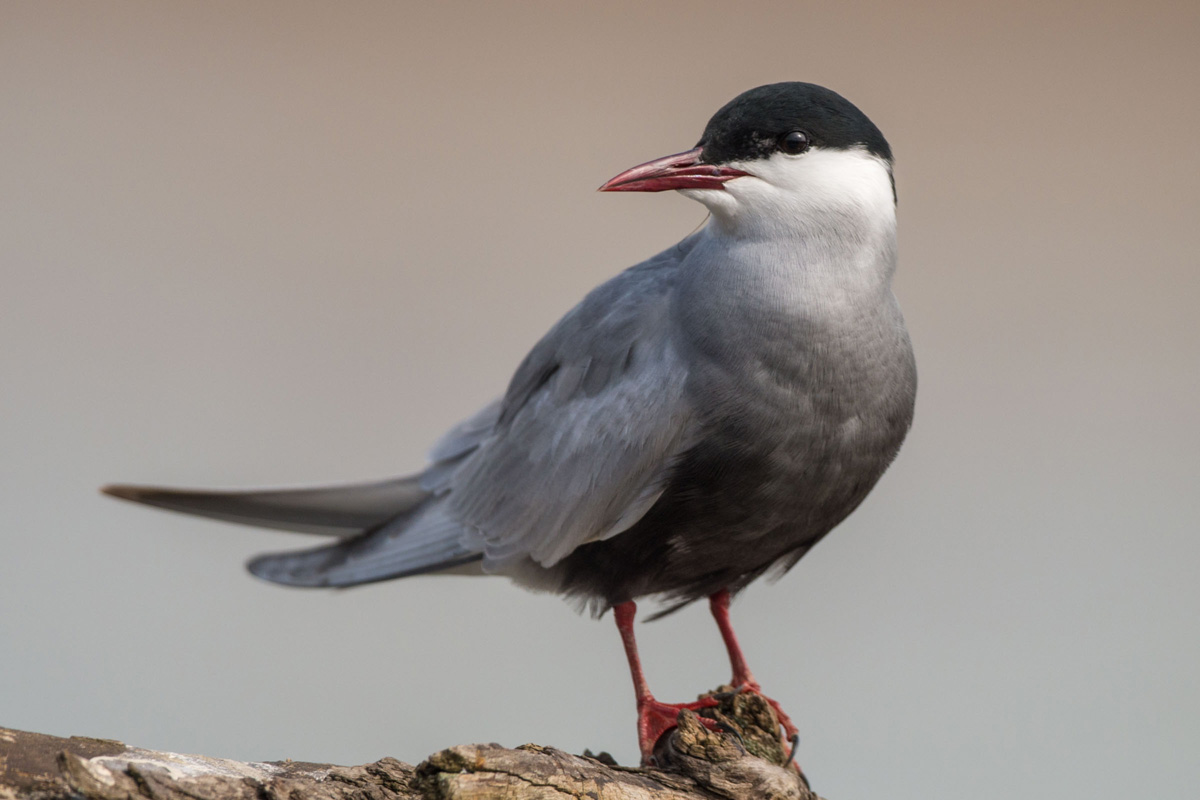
[[281, 244]]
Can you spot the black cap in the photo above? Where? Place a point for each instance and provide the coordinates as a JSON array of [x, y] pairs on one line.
[[751, 125]]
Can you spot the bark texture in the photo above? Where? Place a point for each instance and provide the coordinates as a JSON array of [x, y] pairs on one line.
[[745, 760]]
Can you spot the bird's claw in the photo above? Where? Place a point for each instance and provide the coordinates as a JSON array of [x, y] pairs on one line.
[[724, 727], [795, 746], [655, 719]]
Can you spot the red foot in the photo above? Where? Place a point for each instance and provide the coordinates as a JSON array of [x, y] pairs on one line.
[[655, 719], [743, 678]]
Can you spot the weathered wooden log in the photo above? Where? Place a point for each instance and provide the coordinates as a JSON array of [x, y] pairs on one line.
[[743, 760]]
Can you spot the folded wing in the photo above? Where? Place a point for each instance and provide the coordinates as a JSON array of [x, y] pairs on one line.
[[578, 450]]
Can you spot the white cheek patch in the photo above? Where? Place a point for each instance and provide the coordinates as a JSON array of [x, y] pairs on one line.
[[830, 178], [819, 182]]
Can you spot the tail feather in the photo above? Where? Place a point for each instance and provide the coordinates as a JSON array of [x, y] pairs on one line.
[[425, 540], [330, 510]]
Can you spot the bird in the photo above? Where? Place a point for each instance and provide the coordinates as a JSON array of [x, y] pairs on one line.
[[699, 420]]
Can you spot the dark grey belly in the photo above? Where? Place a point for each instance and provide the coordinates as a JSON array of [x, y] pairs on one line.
[[741, 501], [799, 440]]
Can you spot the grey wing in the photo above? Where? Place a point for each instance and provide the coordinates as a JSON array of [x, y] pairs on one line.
[[419, 539], [415, 542], [457, 444], [388, 528], [588, 432], [579, 449]]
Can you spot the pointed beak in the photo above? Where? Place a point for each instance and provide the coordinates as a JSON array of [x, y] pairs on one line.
[[680, 171]]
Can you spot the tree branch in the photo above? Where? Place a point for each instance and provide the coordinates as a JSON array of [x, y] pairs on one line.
[[696, 763]]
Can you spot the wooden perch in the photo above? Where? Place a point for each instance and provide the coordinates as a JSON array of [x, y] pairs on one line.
[[696, 763]]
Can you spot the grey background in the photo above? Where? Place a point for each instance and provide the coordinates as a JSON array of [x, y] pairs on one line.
[[274, 244]]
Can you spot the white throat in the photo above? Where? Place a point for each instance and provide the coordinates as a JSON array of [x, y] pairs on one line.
[[825, 222]]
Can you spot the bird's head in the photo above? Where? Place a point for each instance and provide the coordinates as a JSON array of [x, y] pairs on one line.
[[783, 155]]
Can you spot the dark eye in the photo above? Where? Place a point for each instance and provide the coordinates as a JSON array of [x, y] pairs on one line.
[[794, 143]]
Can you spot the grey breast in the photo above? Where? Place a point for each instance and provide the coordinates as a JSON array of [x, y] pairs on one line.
[[801, 406]]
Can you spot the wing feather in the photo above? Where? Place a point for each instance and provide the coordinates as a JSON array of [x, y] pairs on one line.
[[588, 431], [578, 449]]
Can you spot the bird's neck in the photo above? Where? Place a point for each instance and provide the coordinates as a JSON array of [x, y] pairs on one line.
[[827, 228], [828, 259]]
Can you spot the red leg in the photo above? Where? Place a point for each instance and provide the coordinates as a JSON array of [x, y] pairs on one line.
[[743, 678], [654, 718]]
